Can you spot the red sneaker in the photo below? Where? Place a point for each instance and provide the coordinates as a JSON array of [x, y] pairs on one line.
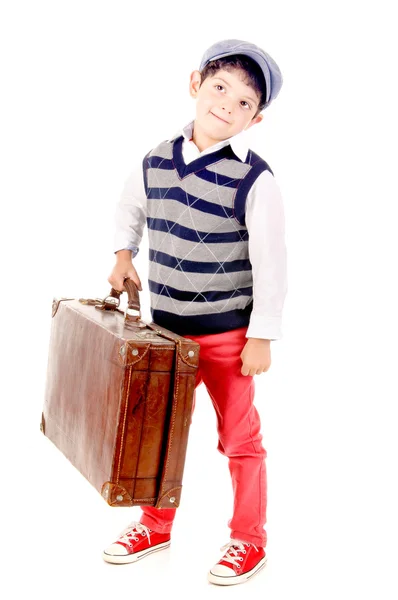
[[134, 543], [240, 562]]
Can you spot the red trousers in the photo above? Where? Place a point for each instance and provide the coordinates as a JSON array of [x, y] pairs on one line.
[[238, 426]]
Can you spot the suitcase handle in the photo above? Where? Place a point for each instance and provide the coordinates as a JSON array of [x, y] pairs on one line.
[[133, 304], [112, 301]]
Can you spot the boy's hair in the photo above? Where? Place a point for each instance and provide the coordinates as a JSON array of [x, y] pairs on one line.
[[254, 75]]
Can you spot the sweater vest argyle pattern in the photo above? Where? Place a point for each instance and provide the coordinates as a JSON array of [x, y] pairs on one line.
[[200, 277]]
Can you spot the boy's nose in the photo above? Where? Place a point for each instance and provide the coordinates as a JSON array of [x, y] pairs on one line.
[[227, 109]]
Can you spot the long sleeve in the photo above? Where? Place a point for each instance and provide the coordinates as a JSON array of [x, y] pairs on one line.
[[130, 216], [265, 222]]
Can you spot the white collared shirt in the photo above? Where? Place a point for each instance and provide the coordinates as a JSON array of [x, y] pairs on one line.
[[265, 223]]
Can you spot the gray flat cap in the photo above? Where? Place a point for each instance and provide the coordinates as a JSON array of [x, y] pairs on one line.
[[271, 71]]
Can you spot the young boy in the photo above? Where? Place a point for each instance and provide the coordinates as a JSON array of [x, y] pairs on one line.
[[217, 274]]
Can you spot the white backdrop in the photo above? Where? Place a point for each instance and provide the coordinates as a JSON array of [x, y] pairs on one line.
[[87, 89]]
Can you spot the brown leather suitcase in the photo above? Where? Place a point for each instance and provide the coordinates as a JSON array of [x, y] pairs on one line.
[[118, 399]]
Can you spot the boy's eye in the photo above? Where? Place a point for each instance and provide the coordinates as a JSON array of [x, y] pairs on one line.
[[245, 104], [219, 87]]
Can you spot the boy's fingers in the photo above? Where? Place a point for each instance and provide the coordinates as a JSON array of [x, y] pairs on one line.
[[115, 283], [116, 279], [119, 284], [247, 370]]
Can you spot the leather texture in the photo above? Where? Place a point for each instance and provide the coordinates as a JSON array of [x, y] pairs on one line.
[[118, 400]]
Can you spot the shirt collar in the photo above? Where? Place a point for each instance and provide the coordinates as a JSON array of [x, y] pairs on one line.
[[237, 142]]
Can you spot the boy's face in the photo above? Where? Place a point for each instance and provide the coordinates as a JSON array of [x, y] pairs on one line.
[[225, 105]]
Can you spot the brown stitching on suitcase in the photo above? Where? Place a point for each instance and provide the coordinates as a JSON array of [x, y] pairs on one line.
[[139, 357], [148, 375], [162, 348], [184, 360], [173, 418], [167, 494], [124, 425]]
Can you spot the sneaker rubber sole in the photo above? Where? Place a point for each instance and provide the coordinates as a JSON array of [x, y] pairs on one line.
[[234, 579], [124, 559]]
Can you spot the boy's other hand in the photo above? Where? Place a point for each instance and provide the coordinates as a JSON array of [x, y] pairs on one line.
[[123, 269], [256, 356]]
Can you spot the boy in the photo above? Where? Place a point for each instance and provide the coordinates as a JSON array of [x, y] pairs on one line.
[[217, 274]]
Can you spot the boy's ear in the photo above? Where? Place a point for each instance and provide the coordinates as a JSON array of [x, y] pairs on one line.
[[194, 83], [257, 119]]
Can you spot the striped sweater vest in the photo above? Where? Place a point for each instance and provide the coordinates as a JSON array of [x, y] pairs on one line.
[[200, 277]]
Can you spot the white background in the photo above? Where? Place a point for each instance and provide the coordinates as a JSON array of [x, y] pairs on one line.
[[87, 89]]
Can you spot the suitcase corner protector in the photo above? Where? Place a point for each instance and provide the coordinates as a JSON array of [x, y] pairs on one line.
[[170, 499], [116, 495]]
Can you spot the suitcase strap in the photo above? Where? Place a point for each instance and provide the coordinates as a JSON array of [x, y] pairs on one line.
[[180, 420], [170, 496]]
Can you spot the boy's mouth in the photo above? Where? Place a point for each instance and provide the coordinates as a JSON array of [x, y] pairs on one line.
[[220, 119]]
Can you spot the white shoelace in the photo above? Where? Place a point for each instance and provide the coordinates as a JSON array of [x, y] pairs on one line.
[[233, 549], [131, 532]]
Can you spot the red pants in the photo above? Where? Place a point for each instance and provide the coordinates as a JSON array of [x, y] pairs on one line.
[[238, 426]]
